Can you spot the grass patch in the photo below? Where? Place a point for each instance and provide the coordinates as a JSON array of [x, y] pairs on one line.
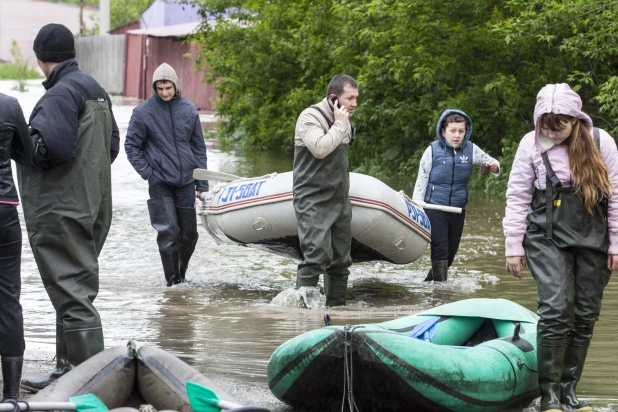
[[13, 71]]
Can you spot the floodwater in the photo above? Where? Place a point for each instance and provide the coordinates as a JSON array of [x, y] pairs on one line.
[[222, 321]]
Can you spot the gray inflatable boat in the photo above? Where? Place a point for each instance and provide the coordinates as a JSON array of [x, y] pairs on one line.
[[126, 377]]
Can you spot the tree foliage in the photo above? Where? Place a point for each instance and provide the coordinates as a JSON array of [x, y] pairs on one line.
[[413, 59]]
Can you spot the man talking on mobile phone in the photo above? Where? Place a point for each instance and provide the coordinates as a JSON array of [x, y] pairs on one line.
[[321, 189]]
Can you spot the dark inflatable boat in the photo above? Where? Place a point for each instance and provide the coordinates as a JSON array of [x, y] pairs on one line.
[[125, 377]]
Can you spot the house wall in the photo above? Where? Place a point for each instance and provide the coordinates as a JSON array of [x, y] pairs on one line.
[[102, 57], [168, 13], [21, 20]]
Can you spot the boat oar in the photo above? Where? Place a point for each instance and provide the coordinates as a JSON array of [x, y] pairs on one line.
[[449, 209], [203, 174], [206, 400], [83, 403]]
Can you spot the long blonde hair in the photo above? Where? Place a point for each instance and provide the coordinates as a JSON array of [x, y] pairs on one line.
[[590, 174]]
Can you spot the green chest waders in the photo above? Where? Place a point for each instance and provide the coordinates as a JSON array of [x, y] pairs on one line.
[[68, 213], [324, 214], [566, 250]]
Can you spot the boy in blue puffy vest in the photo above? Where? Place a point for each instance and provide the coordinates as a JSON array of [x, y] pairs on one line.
[[442, 179]]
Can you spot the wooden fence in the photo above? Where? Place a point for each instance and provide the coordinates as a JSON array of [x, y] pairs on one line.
[[103, 57]]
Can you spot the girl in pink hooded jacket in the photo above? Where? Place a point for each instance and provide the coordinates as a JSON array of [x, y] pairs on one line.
[[562, 221]]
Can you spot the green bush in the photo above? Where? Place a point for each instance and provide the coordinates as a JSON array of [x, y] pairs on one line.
[[19, 69]]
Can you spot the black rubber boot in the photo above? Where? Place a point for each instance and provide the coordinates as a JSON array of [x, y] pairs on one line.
[[163, 218], [62, 365], [170, 268], [438, 272], [550, 360], [11, 375], [335, 287], [83, 344], [574, 359], [187, 222]]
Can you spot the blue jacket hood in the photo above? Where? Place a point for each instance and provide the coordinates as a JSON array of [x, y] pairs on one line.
[[440, 126]]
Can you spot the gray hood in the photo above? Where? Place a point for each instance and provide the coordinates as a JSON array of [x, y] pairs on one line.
[[167, 73]]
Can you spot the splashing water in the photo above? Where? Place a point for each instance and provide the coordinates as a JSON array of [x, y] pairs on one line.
[[304, 297]]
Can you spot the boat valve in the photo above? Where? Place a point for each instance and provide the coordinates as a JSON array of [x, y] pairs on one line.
[[261, 224], [400, 244]]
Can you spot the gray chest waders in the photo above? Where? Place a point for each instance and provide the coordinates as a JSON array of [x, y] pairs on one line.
[[68, 212], [324, 214], [566, 250]]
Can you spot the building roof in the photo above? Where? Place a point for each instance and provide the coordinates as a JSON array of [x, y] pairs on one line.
[[177, 30]]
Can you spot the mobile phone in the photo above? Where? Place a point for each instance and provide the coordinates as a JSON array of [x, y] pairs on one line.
[[334, 99]]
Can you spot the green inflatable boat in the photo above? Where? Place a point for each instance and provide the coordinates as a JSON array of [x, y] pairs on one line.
[[471, 355]]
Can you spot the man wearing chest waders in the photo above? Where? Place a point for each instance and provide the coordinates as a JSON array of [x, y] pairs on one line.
[[67, 198], [321, 189]]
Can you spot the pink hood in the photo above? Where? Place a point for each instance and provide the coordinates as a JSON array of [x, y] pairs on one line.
[[558, 99]]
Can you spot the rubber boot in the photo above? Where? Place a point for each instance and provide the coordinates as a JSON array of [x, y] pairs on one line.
[[62, 365], [170, 268], [163, 218], [11, 375], [550, 360], [438, 272], [187, 222], [335, 287], [574, 359], [83, 344]]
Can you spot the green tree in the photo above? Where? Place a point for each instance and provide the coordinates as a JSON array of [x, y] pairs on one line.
[[413, 59]]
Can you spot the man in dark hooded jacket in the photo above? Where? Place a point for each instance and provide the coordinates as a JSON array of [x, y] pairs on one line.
[[67, 198], [165, 144]]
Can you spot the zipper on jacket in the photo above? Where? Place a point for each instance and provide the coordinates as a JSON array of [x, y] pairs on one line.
[[169, 105], [450, 196]]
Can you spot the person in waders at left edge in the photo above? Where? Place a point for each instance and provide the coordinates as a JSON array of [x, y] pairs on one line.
[[322, 189], [67, 198], [15, 143], [561, 221], [165, 144]]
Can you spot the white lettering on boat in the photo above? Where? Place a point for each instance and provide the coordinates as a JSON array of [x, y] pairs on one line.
[[418, 216], [244, 191]]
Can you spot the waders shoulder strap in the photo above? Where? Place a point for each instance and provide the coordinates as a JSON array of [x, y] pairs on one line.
[[77, 86], [330, 124], [79, 89], [596, 136], [552, 182]]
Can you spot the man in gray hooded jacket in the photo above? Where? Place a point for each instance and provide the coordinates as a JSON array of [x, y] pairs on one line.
[[164, 144], [67, 197]]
